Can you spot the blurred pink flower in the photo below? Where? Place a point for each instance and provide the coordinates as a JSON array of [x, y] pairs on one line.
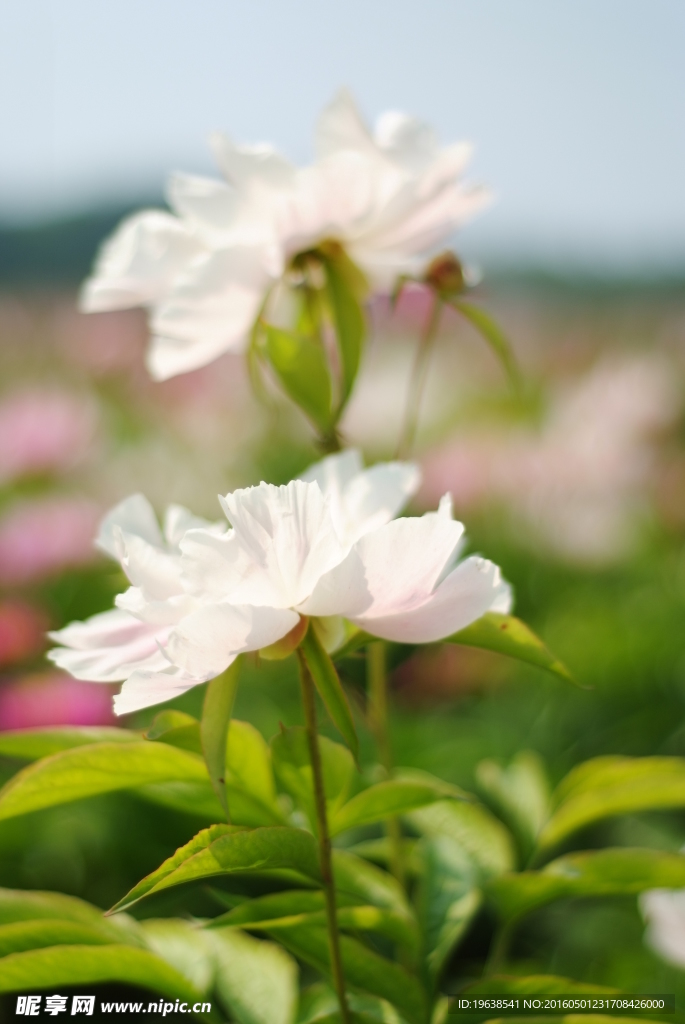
[[578, 484], [53, 699], [44, 536], [43, 430], [22, 631]]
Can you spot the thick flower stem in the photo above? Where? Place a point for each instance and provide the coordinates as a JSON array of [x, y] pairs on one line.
[[309, 704], [418, 380], [378, 720]]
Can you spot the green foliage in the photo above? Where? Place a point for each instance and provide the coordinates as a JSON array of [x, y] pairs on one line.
[[520, 794], [300, 364], [448, 899], [216, 717], [505, 634], [330, 689], [386, 800], [257, 982], [33, 744], [291, 763]]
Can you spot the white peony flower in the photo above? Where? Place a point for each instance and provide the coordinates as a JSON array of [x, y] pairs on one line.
[[130, 642], [392, 199], [664, 912]]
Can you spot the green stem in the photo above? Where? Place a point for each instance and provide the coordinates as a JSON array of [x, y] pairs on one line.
[[309, 704], [418, 380], [378, 720], [499, 949]]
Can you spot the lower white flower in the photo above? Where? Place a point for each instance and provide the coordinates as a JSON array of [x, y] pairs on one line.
[[664, 912]]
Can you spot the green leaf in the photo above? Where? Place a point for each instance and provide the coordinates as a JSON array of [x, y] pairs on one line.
[[29, 905], [301, 366], [185, 947], [448, 899], [506, 634], [363, 969], [607, 786], [257, 982], [330, 689], [177, 729], [494, 336], [358, 881], [385, 800], [91, 770], [379, 851], [32, 744], [290, 752], [74, 965], [22, 935], [216, 716], [248, 760], [230, 850], [533, 985], [472, 828], [520, 794], [348, 317], [611, 872]]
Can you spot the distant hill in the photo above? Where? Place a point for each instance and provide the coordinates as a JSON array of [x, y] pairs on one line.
[[60, 253]]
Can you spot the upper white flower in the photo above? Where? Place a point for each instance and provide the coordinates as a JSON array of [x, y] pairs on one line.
[[392, 198], [131, 642]]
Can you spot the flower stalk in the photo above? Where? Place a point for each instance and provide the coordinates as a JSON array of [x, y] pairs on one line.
[[418, 379], [378, 721], [326, 864]]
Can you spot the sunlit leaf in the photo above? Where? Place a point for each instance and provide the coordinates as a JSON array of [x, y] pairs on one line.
[[230, 850], [216, 717], [364, 883], [185, 947], [257, 982], [23, 935], [300, 364], [90, 770], [330, 689], [612, 872], [385, 800], [472, 828], [177, 729], [519, 793], [32, 744], [607, 786], [448, 899], [506, 634], [290, 752]]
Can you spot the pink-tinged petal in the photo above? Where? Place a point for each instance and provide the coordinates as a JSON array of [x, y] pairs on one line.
[[206, 642], [209, 311], [240, 165], [144, 689], [391, 570], [289, 539], [210, 206], [109, 647], [377, 495], [472, 589], [135, 516], [139, 261], [341, 127]]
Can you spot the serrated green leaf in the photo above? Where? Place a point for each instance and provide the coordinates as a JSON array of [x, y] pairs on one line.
[[607, 786], [520, 794], [611, 872], [363, 969], [385, 800], [216, 717], [330, 689], [348, 318], [177, 729], [300, 364], [448, 899], [257, 982], [32, 744], [91, 770], [472, 828], [290, 752], [495, 337], [505, 634], [77, 965], [234, 851]]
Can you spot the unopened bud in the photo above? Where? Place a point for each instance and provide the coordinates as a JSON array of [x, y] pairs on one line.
[[445, 274]]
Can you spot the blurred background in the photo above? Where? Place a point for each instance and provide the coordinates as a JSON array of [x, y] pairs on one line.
[[576, 486]]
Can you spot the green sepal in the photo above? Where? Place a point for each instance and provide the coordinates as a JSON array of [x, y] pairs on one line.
[[301, 366]]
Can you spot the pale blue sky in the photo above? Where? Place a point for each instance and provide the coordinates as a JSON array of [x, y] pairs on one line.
[[576, 106]]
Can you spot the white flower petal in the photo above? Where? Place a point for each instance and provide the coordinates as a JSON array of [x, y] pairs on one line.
[[341, 127], [472, 589], [143, 689], [139, 261], [377, 494], [206, 642], [391, 570], [166, 612], [134, 516], [208, 205], [212, 565], [664, 911], [412, 143], [241, 164], [153, 569], [211, 310], [108, 647], [335, 472], [178, 520], [288, 535]]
